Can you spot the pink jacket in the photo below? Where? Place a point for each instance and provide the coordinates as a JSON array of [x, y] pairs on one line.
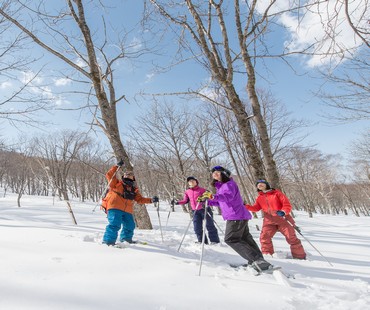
[[191, 196]]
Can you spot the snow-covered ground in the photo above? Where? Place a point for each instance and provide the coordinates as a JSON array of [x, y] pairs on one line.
[[46, 262]]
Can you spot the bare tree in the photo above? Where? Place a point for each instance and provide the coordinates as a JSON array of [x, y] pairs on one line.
[[311, 178], [20, 99], [57, 154], [96, 64], [160, 135], [346, 69], [360, 167], [350, 102], [214, 50]]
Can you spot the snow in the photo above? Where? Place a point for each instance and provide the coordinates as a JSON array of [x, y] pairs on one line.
[[49, 263]]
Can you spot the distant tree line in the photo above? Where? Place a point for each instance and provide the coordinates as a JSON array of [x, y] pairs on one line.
[[167, 145]]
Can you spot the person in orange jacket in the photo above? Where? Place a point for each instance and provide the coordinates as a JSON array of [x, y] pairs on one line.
[[276, 207], [119, 203]]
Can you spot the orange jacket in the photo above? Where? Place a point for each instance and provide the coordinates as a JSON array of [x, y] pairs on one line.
[[270, 202], [115, 201]]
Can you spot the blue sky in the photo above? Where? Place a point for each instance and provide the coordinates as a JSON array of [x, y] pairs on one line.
[[295, 91]]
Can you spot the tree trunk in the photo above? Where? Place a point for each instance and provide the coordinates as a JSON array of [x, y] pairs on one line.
[[141, 218], [108, 110], [272, 174], [19, 199], [245, 130], [66, 199]]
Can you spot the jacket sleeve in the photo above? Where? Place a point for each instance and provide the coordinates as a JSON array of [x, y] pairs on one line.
[[140, 199], [255, 208], [109, 176], [286, 206], [213, 203], [227, 195], [184, 200]]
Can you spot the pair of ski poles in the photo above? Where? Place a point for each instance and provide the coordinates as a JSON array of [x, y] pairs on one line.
[[191, 219], [203, 232]]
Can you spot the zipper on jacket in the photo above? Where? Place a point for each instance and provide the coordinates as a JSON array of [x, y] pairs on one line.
[[267, 202]]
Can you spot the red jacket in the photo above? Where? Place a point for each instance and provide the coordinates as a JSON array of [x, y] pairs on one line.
[[114, 200], [270, 202]]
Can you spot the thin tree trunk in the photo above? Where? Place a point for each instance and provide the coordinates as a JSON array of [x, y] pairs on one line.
[[66, 199]]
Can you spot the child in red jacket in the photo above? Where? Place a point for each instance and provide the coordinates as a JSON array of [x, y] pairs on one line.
[[276, 208]]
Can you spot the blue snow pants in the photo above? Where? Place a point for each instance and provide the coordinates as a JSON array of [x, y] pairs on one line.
[[198, 217], [116, 220]]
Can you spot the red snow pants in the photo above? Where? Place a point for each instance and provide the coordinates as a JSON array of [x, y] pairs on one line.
[[272, 224]]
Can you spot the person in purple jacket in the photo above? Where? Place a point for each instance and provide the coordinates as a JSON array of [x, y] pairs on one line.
[[191, 195], [237, 234]]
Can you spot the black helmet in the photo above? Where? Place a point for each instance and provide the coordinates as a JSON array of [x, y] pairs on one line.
[[265, 182], [191, 178]]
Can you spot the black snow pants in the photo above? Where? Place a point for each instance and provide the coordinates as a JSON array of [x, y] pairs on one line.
[[238, 237]]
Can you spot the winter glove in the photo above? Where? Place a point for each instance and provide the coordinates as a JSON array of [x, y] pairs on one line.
[[174, 202], [155, 199], [120, 163], [205, 196], [280, 213]]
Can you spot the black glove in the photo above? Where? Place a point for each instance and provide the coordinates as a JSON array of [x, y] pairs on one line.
[[120, 163], [155, 199], [174, 202], [280, 213]]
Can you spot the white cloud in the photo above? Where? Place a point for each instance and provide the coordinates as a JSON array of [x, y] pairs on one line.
[[210, 91], [81, 63], [62, 82], [149, 77], [5, 85], [59, 101], [46, 92], [30, 77], [135, 44], [318, 26]]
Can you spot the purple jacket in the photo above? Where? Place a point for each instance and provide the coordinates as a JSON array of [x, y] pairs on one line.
[[230, 201], [191, 195]]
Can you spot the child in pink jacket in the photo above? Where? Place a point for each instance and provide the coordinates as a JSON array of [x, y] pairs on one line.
[[191, 195]]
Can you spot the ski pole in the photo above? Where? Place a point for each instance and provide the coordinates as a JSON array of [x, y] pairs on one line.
[[299, 231], [203, 237], [215, 223], [110, 181], [171, 208], [159, 219], [168, 217], [183, 237], [187, 228]]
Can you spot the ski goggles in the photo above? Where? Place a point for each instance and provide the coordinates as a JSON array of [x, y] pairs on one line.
[[217, 168], [261, 181]]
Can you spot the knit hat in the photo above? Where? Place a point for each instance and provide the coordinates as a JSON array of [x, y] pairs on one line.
[[191, 178], [222, 170], [128, 174], [265, 182]]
